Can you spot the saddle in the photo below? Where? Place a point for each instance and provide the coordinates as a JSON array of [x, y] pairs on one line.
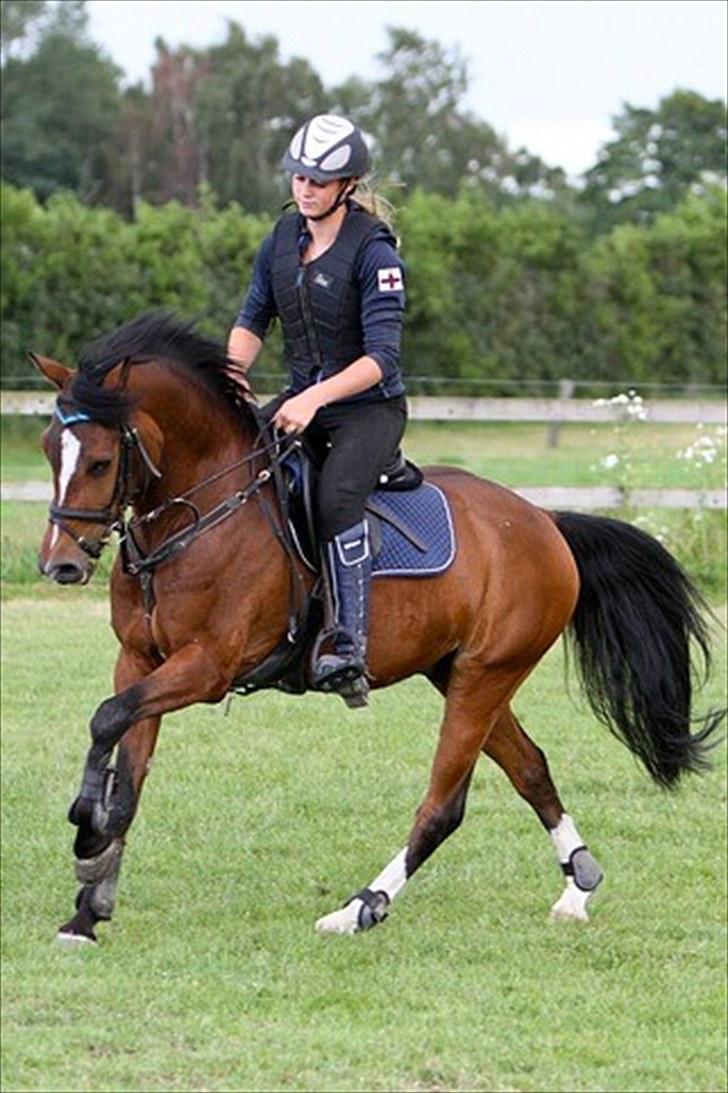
[[300, 470], [411, 534]]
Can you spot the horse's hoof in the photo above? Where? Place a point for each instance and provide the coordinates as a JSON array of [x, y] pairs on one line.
[[363, 912], [78, 929], [66, 936], [571, 907], [343, 921]]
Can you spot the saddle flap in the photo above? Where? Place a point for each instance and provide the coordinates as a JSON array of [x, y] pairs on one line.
[[411, 528]]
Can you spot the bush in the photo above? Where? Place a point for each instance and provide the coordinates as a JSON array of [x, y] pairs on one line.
[[499, 294]]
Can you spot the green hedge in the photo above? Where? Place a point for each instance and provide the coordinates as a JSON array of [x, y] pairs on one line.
[[522, 293]]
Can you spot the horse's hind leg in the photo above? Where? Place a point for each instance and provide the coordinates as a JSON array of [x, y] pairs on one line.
[[525, 764], [474, 697]]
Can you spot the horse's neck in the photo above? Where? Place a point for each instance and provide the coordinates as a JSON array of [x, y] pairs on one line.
[[199, 439]]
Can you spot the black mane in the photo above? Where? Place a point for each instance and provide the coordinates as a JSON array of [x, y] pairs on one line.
[[153, 335]]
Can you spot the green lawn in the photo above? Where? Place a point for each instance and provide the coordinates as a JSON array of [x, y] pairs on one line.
[[514, 454], [211, 976], [518, 454]]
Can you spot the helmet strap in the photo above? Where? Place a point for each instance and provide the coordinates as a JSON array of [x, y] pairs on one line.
[[345, 192]]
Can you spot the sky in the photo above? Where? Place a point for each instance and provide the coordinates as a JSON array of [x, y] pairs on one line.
[[549, 75]]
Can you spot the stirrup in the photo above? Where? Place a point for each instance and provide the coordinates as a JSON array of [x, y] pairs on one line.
[[334, 673], [349, 682]]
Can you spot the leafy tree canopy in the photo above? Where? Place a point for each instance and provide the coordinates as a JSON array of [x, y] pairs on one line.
[[60, 104], [657, 156]]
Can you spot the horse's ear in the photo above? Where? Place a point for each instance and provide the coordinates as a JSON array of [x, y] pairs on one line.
[[55, 373]]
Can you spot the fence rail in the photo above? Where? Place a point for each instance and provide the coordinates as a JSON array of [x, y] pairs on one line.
[[582, 498], [552, 412], [450, 408]]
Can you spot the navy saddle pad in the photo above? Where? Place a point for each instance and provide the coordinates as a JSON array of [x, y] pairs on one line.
[[426, 545]]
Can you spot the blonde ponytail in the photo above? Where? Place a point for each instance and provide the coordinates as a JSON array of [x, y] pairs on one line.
[[373, 203]]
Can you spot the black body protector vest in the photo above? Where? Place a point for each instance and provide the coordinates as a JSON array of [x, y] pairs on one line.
[[319, 304]]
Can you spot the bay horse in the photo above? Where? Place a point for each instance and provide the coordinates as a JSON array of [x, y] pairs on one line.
[[150, 439]]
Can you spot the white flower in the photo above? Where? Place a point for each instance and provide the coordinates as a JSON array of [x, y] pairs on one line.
[[702, 450], [610, 461]]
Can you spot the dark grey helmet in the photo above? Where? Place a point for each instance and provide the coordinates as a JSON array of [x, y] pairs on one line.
[[327, 147]]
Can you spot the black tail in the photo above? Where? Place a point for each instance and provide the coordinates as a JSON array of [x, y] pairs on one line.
[[631, 632]]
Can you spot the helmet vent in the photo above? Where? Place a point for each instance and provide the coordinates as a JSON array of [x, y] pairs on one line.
[[337, 159]]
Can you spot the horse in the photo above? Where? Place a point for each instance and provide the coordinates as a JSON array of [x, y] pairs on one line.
[[150, 439]]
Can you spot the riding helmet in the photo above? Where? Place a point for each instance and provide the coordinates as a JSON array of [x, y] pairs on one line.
[[327, 147]]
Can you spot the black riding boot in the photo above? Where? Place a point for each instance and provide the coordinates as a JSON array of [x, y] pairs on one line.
[[348, 563]]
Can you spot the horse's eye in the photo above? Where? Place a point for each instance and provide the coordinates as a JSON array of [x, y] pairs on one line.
[[99, 467]]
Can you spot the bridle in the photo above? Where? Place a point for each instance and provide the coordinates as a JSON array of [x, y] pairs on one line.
[[113, 515]]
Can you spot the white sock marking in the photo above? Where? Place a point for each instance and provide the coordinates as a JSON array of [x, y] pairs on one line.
[[572, 902], [391, 880], [565, 838], [393, 877]]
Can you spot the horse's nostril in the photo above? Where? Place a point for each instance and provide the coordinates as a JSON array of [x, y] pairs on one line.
[[68, 573]]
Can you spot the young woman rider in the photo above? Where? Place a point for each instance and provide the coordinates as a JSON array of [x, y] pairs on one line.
[[331, 274]]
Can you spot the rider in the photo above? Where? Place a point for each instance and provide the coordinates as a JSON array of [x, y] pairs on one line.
[[332, 275]]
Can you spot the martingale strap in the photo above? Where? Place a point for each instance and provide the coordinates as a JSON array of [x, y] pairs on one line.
[[141, 565]]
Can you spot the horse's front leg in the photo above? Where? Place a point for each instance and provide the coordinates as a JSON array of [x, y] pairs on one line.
[[108, 799]]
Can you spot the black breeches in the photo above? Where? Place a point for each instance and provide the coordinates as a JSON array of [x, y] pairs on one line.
[[354, 444]]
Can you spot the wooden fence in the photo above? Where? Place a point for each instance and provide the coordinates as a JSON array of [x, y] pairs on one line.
[[447, 408], [552, 412]]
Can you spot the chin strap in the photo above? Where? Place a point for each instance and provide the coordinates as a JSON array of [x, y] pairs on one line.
[[345, 192]]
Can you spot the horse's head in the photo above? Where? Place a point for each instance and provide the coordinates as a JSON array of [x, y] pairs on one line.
[[100, 459]]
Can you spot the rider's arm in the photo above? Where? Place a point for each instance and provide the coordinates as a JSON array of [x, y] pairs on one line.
[[243, 347], [381, 279], [256, 314]]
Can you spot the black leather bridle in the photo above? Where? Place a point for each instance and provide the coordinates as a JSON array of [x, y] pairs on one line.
[[112, 516]]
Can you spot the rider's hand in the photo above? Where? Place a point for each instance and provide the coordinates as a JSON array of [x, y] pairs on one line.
[[296, 413]]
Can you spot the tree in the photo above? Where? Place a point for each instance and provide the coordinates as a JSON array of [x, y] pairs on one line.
[[59, 109], [18, 19], [247, 108], [656, 158], [424, 137]]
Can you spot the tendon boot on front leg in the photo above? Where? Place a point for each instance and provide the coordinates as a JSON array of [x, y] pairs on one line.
[[348, 563]]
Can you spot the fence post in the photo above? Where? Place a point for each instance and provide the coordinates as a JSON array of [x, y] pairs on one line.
[[566, 390]]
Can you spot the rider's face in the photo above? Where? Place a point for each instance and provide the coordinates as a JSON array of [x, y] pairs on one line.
[[314, 198]]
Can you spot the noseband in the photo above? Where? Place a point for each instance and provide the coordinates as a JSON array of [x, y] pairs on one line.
[[111, 517]]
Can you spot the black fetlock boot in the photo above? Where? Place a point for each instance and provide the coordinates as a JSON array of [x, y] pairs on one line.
[[348, 563]]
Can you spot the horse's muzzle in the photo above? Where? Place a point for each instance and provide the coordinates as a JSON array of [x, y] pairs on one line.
[[66, 572]]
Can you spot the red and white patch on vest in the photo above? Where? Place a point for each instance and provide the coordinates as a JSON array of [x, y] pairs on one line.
[[390, 280]]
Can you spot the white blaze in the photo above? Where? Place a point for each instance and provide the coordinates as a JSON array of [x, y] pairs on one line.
[[70, 451]]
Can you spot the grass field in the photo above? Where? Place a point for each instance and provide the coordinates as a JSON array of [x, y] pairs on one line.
[[511, 453], [252, 825]]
